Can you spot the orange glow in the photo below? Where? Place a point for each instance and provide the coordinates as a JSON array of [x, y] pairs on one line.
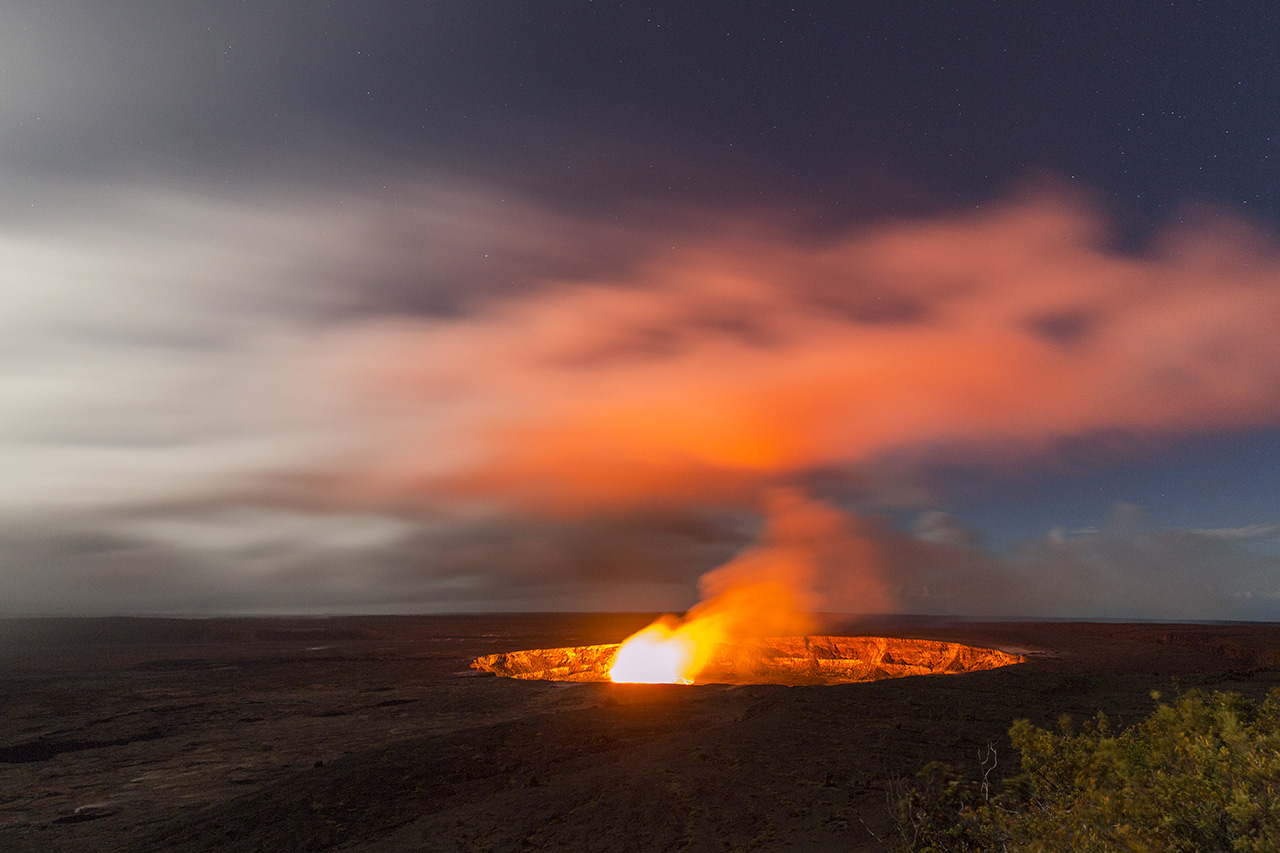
[[670, 653], [656, 655], [777, 660], [766, 591], [750, 356]]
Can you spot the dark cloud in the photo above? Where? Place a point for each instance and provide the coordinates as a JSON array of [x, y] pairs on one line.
[[612, 102], [1130, 567], [1133, 566], [276, 559], [1067, 328]]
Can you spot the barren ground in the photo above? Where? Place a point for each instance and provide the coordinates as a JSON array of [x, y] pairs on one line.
[[373, 734]]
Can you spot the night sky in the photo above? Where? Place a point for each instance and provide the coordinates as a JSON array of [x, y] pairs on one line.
[[411, 307]]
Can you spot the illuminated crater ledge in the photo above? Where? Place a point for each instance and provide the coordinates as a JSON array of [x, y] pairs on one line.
[[775, 660]]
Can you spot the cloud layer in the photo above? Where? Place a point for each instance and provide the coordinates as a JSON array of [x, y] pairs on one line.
[[297, 397]]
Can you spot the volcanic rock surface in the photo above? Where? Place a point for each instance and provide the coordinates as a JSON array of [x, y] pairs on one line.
[[775, 660], [375, 735]]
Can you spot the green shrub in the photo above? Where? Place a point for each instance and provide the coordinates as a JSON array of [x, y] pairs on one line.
[[1202, 774], [945, 811]]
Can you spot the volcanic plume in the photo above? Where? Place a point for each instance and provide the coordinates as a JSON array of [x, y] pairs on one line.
[[756, 616], [770, 590]]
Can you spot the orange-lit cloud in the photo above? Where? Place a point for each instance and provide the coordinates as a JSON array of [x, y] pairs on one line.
[[455, 400], [745, 355]]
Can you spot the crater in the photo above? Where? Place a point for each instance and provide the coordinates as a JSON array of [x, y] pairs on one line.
[[774, 660]]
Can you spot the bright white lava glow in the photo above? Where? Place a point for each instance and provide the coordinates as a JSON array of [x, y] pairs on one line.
[[653, 657]]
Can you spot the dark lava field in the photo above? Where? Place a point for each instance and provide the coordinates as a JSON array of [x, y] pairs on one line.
[[374, 733]]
